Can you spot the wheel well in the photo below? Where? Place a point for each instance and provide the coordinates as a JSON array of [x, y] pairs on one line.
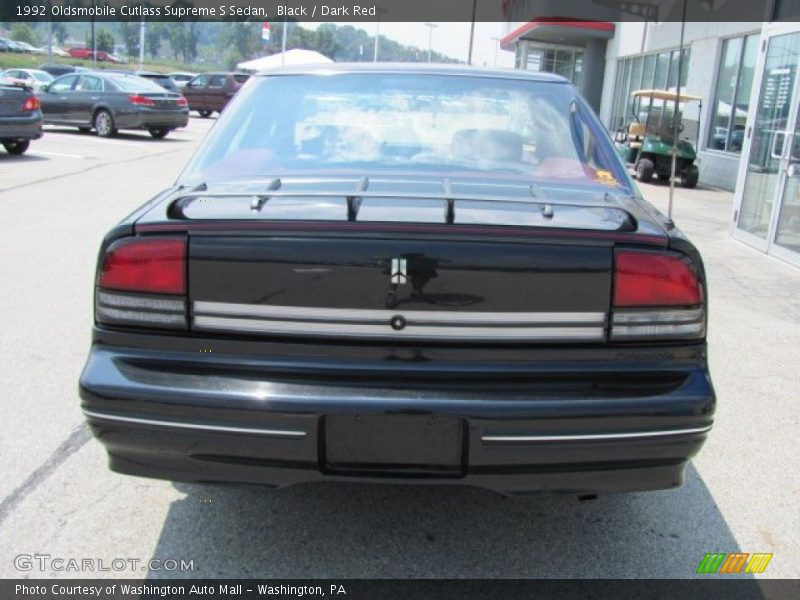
[[98, 109]]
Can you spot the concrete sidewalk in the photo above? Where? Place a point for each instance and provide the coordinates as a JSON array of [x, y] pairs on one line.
[[750, 461]]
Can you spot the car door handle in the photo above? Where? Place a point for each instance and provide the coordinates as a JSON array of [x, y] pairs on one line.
[[94, 97]]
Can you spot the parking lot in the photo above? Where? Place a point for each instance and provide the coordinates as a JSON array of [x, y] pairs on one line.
[[58, 498]]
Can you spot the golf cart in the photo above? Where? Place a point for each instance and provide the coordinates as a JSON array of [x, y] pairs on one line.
[[646, 144]]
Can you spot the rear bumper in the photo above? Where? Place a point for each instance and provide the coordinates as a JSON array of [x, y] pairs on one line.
[[179, 416], [147, 118], [15, 129]]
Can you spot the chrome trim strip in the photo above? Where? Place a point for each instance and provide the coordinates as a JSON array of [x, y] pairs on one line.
[[656, 330], [204, 308], [593, 436], [143, 302], [411, 331], [657, 316], [220, 428]]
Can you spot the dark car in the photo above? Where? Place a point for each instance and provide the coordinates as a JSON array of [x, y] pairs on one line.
[[211, 92], [20, 116], [59, 70], [165, 81], [12, 46], [413, 294], [108, 102]]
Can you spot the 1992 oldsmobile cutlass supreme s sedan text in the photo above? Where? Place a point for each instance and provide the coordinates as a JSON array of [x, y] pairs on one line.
[[402, 274]]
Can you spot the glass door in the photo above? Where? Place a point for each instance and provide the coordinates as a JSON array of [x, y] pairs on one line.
[[773, 152]]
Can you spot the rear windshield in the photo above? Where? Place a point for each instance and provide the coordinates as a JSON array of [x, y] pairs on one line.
[[134, 84], [428, 124]]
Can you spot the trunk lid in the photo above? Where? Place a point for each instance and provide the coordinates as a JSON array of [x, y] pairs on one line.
[[443, 261], [12, 97]]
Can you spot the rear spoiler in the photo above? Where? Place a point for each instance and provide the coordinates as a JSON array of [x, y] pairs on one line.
[[247, 201]]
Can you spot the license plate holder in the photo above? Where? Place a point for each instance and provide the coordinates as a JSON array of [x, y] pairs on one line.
[[394, 445]]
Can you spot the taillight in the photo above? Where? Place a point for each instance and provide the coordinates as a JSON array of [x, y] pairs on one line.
[[182, 101], [140, 100], [142, 281], [656, 295], [31, 103]]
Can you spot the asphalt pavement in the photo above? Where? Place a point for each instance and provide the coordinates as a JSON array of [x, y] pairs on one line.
[[57, 498]]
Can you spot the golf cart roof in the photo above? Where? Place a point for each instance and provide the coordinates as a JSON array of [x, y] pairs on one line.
[[665, 95]]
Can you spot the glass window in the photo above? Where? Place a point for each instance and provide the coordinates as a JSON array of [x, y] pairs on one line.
[[732, 94], [198, 82], [366, 123], [217, 81], [63, 84], [662, 69], [649, 71]]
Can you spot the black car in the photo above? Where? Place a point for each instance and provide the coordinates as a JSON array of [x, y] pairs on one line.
[[108, 102], [20, 116], [59, 70], [469, 290], [161, 79]]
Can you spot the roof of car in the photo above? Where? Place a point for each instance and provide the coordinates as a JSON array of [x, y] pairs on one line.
[[414, 68]]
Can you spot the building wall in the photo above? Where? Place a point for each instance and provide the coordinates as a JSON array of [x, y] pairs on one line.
[[717, 168]]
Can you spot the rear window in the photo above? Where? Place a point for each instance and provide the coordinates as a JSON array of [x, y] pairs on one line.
[[134, 84], [435, 124]]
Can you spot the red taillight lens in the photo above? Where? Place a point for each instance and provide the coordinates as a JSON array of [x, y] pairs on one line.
[[650, 279], [182, 101], [155, 265], [31, 103], [141, 100]]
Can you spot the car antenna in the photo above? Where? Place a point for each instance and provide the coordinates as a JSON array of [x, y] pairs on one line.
[[354, 200], [258, 201], [450, 215], [547, 209]]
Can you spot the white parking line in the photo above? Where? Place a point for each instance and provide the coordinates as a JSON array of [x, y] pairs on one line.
[[44, 153]]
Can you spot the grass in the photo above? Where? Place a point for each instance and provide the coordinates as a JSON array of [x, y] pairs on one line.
[[9, 60]]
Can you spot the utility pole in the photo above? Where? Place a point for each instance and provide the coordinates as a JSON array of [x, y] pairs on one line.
[[141, 45], [675, 124], [283, 42], [496, 48], [472, 30], [49, 34], [377, 35], [431, 27]]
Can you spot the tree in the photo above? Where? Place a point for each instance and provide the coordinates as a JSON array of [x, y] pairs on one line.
[[104, 40], [59, 31], [245, 38], [22, 32], [130, 37], [154, 33]]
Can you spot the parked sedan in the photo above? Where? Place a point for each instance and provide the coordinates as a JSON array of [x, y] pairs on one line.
[[35, 78], [181, 78], [20, 116], [211, 92], [478, 296], [108, 102]]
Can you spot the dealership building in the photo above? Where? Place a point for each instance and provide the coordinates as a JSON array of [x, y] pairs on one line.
[[746, 128]]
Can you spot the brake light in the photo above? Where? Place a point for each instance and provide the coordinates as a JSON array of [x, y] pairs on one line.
[[656, 296], [140, 100], [152, 265], [182, 101], [31, 103], [651, 279]]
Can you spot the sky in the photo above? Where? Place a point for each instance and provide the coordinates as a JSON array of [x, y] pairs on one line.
[[451, 39]]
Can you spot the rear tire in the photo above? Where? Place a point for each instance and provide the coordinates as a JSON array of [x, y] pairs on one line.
[[205, 113], [159, 133], [104, 124], [17, 147], [689, 178], [645, 170]]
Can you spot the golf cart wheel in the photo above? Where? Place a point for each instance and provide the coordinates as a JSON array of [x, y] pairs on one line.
[[159, 133], [645, 170], [16, 147], [689, 178], [104, 124], [204, 113]]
